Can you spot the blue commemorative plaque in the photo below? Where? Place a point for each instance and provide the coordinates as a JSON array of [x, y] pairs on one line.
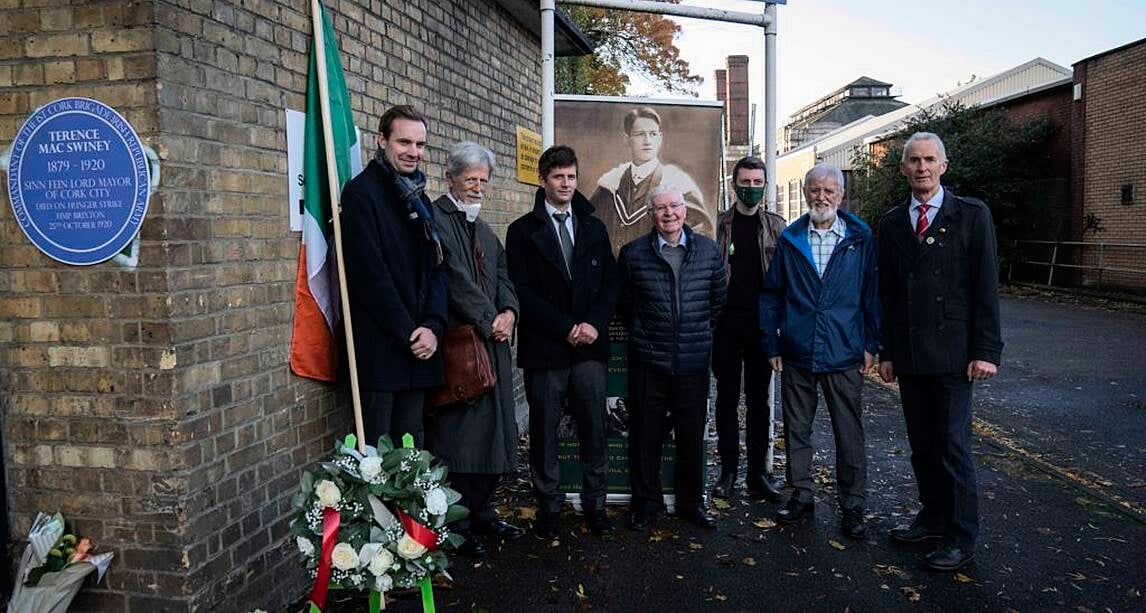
[[78, 181]]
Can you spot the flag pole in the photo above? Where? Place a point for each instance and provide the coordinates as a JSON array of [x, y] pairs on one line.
[[333, 185]]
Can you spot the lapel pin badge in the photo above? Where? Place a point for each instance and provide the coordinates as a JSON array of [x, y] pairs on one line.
[[930, 240]]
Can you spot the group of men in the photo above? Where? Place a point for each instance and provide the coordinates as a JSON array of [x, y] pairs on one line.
[[803, 298]]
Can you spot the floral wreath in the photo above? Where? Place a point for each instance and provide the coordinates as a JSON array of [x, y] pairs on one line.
[[375, 520]]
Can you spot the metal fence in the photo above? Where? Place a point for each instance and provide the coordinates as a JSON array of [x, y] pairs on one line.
[[1091, 260]]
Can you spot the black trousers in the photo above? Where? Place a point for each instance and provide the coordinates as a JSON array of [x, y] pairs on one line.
[[395, 414], [477, 495], [843, 393], [582, 387], [937, 410], [659, 402], [735, 351]]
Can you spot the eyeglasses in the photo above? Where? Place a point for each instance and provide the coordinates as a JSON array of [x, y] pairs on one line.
[[472, 182], [675, 206]]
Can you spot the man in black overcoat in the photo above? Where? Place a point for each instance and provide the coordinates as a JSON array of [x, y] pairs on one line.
[[561, 263], [395, 280], [939, 288]]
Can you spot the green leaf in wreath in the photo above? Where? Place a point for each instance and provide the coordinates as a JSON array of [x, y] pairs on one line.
[[306, 483], [456, 512]]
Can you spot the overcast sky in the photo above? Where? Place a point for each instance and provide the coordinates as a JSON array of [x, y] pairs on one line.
[[922, 48]]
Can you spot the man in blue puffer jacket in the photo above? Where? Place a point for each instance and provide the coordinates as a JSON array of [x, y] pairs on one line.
[[672, 291], [819, 317]]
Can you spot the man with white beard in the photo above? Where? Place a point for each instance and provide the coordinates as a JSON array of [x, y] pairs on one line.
[[819, 318]]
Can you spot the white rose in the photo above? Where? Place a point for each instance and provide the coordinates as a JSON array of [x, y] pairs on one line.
[[383, 583], [381, 562], [306, 547], [436, 502], [371, 469], [344, 557], [409, 548], [328, 494]]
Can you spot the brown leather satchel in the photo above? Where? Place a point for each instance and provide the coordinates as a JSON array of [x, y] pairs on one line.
[[469, 373]]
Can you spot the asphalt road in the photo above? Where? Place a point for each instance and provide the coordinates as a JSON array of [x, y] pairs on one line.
[[1072, 388]]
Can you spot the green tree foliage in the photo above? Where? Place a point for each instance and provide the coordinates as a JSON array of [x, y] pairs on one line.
[[625, 43], [990, 158]]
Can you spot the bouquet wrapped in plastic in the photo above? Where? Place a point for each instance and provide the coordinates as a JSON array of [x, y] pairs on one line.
[[53, 568]]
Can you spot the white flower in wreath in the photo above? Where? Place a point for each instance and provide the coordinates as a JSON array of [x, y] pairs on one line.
[[383, 583], [344, 557], [328, 494], [371, 469], [436, 502], [306, 547], [381, 562], [409, 548]]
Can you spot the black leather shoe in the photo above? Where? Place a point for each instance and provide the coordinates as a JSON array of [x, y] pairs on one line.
[[697, 517], [915, 532], [641, 520], [853, 524], [795, 511], [725, 486], [548, 524], [599, 522], [471, 547], [760, 487], [948, 558], [500, 529]]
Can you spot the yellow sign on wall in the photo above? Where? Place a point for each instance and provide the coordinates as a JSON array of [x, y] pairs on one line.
[[528, 150]]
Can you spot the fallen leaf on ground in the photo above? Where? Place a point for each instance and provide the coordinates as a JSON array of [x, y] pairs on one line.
[[764, 523], [721, 504], [961, 578], [720, 597], [580, 593], [749, 561], [527, 512], [912, 594], [695, 546], [837, 545]]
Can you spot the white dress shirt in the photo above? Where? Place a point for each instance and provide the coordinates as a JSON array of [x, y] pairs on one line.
[[935, 202], [568, 220]]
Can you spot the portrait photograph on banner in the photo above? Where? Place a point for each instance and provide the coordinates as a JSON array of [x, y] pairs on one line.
[[626, 148]]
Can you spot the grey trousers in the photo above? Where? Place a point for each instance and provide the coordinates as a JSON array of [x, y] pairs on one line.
[[843, 392], [582, 386]]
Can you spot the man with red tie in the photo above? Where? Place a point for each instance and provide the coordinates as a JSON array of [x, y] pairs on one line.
[[938, 283]]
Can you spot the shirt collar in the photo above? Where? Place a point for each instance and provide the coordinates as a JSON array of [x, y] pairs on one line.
[[644, 170], [838, 227], [552, 209], [661, 242], [935, 202]]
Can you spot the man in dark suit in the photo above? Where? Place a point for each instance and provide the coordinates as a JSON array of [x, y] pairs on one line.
[[395, 280], [941, 333], [562, 266]]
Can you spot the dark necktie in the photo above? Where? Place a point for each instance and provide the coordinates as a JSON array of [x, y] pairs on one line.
[[922, 224], [566, 241]]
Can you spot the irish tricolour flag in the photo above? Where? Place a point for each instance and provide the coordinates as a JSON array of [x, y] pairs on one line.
[[314, 349]]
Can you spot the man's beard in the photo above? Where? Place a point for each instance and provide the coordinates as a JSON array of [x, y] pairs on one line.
[[821, 217]]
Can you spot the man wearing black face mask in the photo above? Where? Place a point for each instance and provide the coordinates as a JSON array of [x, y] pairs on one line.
[[747, 236]]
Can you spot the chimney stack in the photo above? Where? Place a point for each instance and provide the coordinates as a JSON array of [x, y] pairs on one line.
[[736, 99]]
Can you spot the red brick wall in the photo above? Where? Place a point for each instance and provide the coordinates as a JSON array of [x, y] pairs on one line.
[[1111, 153]]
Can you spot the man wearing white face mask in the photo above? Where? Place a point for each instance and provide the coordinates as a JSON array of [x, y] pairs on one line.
[[477, 440]]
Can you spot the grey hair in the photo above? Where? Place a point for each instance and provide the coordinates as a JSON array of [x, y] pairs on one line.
[[823, 170], [922, 136], [468, 154], [665, 188]]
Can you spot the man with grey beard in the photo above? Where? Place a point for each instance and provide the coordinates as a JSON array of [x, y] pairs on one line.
[[819, 318]]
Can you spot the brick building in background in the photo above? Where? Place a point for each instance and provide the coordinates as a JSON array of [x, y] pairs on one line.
[[1108, 165], [154, 405]]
